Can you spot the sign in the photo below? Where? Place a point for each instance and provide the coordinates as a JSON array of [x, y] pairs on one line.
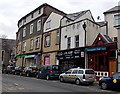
[[70, 54], [96, 49]]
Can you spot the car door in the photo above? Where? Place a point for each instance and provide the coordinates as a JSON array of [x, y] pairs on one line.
[[67, 75], [73, 75], [116, 80]]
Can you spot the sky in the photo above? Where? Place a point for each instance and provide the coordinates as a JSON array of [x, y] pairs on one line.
[[13, 10]]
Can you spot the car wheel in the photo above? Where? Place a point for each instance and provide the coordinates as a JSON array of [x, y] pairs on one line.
[[104, 85], [77, 81], [61, 79], [47, 77]]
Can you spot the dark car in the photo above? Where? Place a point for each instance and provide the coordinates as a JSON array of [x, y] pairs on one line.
[[110, 82], [18, 69], [49, 71], [29, 71]]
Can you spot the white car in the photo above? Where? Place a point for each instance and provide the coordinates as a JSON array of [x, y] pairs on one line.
[[79, 76]]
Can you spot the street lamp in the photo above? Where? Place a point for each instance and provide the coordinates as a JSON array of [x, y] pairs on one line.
[[84, 27]]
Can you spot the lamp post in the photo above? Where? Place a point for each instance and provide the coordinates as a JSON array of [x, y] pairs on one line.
[[84, 27]]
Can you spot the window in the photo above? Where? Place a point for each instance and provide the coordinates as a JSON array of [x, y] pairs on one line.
[[57, 37], [18, 36], [37, 42], [68, 42], [47, 60], [80, 72], [32, 15], [24, 46], [31, 28], [24, 31], [39, 25], [48, 25], [68, 72], [75, 72], [77, 41], [39, 11], [31, 44], [47, 41], [117, 20]]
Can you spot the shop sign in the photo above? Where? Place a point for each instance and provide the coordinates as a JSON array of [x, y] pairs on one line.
[[70, 54], [96, 49], [29, 56]]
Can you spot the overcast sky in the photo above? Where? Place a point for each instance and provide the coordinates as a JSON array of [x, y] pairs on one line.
[[13, 10]]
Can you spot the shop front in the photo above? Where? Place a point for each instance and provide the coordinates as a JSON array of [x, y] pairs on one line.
[[71, 58], [101, 56]]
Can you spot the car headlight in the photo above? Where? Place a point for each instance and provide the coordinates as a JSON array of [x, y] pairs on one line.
[[100, 78]]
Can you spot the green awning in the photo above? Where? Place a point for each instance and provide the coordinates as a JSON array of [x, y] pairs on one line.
[[19, 56]]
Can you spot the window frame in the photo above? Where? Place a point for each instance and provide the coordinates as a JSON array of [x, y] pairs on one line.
[[37, 44], [57, 38], [24, 32], [48, 24], [38, 25], [68, 42], [31, 28], [31, 44], [47, 44], [77, 41]]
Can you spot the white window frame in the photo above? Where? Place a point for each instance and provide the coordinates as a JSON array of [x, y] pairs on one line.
[[31, 44], [48, 24], [31, 28], [68, 42], [24, 46], [57, 37], [47, 41], [77, 41], [117, 20], [38, 25], [24, 31], [37, 43]]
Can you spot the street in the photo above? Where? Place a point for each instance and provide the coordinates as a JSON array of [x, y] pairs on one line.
[[16, 83]]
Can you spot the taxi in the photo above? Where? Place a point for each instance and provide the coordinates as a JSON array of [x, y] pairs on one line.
[[79, 76], [110, 82]]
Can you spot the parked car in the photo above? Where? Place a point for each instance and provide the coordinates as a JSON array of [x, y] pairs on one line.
[[9, 69], [18, 69], [29, 71], [79, 76], [110, 82], [49, 71]]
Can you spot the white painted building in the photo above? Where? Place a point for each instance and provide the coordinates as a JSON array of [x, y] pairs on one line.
[[73, 33]]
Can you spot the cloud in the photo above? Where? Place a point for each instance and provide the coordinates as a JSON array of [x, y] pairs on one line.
[[13, 10]]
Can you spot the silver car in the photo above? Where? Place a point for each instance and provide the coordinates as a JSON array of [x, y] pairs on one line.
[[79, 76]]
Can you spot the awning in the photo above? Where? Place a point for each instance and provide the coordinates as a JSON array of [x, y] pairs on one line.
[[30, 56], [19, 56]]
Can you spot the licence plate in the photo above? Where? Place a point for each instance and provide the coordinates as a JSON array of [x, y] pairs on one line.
[[56, 74]]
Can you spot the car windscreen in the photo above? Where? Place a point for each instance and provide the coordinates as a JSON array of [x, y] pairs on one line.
[[89, 72], [56, 68]]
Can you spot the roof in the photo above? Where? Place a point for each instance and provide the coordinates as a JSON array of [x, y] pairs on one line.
[[103, 23], [74, 16], [114, 9], [43, 5], [108, 39]]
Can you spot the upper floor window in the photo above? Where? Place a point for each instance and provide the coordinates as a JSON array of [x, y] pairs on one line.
[[47, 41], [37, 44], [31, 44], [77, 41], [39, 11], [68, 42], [38, 25], [31, 28], [48, 25], [24, 31], [24, 46], [32, 15], [58, 37], [117, 20], [18, 35]]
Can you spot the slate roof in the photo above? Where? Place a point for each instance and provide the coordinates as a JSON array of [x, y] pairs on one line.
[[107, 38], [114, 9], [74, 16]]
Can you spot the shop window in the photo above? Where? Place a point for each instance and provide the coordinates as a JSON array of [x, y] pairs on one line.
[[68, 42], [112, 54], [77, 41]]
